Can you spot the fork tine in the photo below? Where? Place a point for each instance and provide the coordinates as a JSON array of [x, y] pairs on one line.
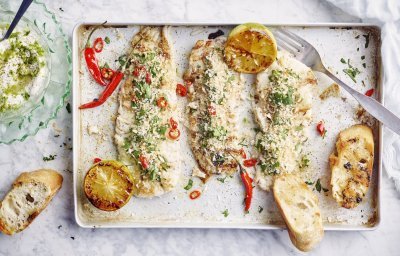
[[293, 37], [283, 45], [294, 45]]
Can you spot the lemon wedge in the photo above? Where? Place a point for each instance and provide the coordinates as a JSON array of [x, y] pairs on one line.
[[108, 185], [250, 48]]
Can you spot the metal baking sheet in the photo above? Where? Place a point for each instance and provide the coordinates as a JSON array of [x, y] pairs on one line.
[[175, 209]]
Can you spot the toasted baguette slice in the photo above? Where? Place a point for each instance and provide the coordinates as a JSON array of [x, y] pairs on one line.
[[352, 166], [30, 194], [299, 208]]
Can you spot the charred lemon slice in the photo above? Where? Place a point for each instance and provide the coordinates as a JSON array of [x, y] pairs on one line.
[[108, 185], [250, 48]]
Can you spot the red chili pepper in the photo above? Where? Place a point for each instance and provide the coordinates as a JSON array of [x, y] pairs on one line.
[[93, 66], [250, 162], [98, 44], [173, 123], [194, 194], [181, 90], [247, 181], [243, 153], [148, 78], [174, 133], [369, 92], [91, 61], [107, 73], [211, 110], [96, 160], [162, 103], [321, 128], [136, 72], [144, 162], [106, 93]]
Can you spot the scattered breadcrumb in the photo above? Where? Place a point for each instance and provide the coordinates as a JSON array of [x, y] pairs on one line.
[[332, 91]]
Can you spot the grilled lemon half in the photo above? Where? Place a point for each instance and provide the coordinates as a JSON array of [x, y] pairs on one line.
[[250, 48], [108, 185]]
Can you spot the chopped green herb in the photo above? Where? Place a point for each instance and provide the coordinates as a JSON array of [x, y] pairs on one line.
[[363, 57], [364, 65], [260, 209], [222, 180], [309, 182], [343, 61], [68, 107], [351, 71], [49, 158], [366, 40], [107, 40], [319, 187], [189, 185], [305, 162], [225, 213]]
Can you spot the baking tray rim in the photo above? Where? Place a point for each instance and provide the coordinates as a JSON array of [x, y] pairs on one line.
[[327, 227]]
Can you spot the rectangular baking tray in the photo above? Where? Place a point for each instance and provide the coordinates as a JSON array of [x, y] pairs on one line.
[[174, 210]]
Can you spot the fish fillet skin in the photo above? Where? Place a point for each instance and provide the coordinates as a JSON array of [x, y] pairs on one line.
[[212, 99], [282, 108], [142, 126]]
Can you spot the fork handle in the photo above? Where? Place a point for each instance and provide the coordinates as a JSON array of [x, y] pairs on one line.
[[21, 11], [376, 109]]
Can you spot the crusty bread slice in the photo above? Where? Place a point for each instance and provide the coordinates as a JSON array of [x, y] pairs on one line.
[[30, 194], [352, 166], [299, 208]]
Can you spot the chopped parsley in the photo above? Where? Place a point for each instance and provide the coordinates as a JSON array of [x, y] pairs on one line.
[[351, 71], [49, 158], [305, 162], [366, 40], [309, 182], [189, 185], [68, 108], [225, 213], [107, 40], [260, 209], [318, 186]]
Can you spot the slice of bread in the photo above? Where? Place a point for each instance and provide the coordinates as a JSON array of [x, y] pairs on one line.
[[352, 166], [299, 208], [30, 194]]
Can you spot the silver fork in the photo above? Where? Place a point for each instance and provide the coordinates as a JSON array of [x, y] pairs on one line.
[[307, 54]]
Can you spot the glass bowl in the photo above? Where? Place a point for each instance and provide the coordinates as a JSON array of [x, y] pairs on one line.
[[43, 78], [28, 123]]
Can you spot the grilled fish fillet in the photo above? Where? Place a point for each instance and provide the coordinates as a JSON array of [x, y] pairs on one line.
[[283, 99], [142, 126], [212, 100]]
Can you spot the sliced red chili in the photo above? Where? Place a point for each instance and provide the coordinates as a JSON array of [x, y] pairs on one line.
[[136, 72], [143, 162], [98, 44], [250, 162], [106, 93], [174, 133], [211, 110], [162, 103], [173, 123], [194, 194], [369, 92], [181, 90], [107, 73], [247, 181], [148, 78], [321, 128], [243, 153], [96, 160]]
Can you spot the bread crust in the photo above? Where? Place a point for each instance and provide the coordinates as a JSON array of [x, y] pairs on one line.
[[50, 178], [352, 165], [304, 238]]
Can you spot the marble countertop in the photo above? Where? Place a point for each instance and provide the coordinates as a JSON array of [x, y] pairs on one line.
[[55, 232]]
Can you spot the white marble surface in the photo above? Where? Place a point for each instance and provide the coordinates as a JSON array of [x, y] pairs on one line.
[[55, 232]]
